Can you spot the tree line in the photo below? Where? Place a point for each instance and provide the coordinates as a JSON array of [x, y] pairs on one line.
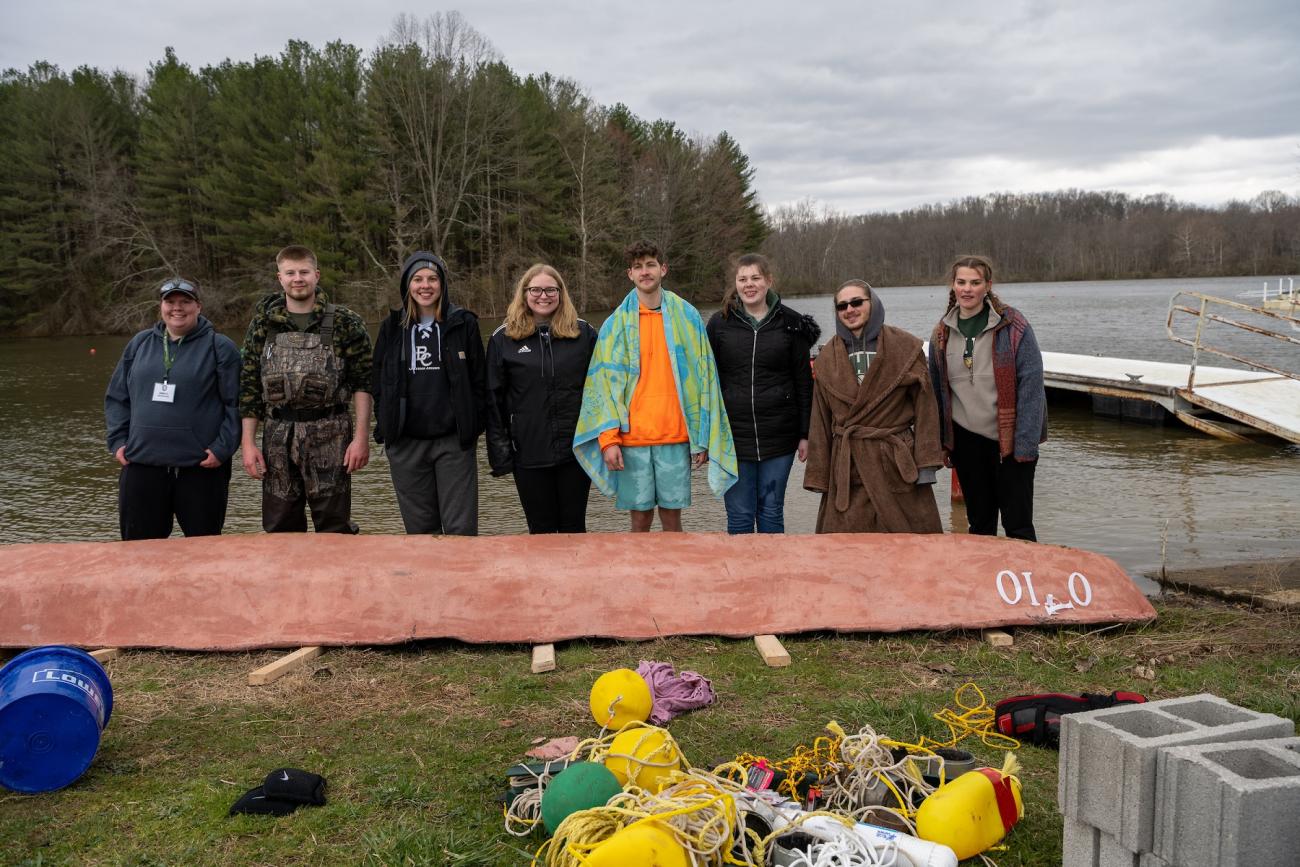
[[1062, 235], [109, 184]]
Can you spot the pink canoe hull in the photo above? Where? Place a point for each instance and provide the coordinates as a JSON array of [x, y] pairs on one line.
[[256, 591]]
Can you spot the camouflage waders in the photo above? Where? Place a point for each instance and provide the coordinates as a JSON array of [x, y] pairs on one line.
[[306, 433]]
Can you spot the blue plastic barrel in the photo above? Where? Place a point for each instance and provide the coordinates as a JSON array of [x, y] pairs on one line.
[[54, 704]]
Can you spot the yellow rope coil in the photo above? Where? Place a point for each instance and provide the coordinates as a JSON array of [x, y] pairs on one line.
[[976, 717], [859, 778], [698, 808]]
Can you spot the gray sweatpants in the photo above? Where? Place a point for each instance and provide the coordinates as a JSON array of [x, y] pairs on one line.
[[437, 485]]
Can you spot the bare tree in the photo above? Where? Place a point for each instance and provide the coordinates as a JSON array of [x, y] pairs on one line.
[[439, 115]]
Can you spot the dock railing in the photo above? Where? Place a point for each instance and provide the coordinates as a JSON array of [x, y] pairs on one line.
[[1203, 311]]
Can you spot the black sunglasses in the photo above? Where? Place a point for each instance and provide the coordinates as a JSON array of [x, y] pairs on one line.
[[855, 303], [178, 286]]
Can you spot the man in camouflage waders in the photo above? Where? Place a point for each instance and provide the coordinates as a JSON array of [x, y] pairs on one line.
[[303, 357]]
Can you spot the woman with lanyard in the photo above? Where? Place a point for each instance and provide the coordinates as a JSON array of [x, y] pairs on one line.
[[537, 364], [987, 373], [172, 421], [873, 444], [430, 401], [762, 348]]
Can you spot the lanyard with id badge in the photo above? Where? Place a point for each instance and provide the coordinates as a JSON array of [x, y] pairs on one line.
[[165, 392]]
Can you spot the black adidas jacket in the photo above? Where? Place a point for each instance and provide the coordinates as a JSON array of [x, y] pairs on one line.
[[534, 397]]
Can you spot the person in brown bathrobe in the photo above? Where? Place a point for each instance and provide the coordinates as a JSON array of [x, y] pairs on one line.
[[873, 442]]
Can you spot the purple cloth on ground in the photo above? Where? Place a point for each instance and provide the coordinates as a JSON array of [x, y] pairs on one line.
[[674, 694]]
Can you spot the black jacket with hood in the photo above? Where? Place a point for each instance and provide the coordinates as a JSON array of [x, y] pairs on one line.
[[462, 358], [535, 395], [766, 378]]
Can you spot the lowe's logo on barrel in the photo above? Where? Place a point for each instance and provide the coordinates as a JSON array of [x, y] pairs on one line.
[[54, 704], [71, 678]]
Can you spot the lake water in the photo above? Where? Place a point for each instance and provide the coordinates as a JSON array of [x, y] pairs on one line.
[[1117, 488]]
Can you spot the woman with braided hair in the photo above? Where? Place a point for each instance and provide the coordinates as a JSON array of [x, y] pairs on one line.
[[987, 373]]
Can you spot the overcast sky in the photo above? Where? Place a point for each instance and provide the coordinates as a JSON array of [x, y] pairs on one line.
[[858, 105]]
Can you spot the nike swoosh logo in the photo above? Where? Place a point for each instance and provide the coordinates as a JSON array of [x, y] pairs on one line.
[[284, 775]]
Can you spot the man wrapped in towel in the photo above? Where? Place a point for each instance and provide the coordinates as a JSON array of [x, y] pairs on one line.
[[651, 406]]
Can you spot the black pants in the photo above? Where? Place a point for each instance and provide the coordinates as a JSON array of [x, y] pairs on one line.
[[554, 498], [148, 497], [992, 485]]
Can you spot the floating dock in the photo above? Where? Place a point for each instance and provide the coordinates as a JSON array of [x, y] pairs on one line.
[[1231, 404], [1223, 402]]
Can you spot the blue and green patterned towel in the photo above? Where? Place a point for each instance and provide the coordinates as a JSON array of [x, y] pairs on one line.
[[613, 374]]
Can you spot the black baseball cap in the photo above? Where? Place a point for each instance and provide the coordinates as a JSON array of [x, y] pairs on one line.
[[176, 284]]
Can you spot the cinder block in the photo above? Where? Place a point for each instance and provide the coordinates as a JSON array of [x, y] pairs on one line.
[[1229, 805], [1108, 757], [1079, 844], [1112, 853]]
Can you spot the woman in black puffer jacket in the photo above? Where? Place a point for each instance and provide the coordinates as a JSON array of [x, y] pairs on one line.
[[537, 364], [762, 347]]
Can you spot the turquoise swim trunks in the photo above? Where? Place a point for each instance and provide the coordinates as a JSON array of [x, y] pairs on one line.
[[654, 476]]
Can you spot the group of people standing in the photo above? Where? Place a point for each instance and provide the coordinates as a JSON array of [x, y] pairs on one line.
[[632, 408]]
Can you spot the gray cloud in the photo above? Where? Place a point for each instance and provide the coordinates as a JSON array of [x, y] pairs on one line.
[[864, 106]]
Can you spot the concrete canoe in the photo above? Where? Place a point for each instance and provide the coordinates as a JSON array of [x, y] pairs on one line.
[[258, 591]]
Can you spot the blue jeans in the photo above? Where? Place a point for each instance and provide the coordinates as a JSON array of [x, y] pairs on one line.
[[758, 496]]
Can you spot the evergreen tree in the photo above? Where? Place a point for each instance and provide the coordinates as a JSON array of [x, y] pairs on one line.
[[252, 189], [176, 151]]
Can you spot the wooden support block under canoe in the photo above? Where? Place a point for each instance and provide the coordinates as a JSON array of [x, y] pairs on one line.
[[997, 638], [772, 651], [543, 658], [234, 592], [283, 666], [104, 654]]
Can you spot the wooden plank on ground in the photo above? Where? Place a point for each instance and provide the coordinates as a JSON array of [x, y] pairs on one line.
[[997, 638], [773, 653], [543, 658], [104, 654], [283, 666]]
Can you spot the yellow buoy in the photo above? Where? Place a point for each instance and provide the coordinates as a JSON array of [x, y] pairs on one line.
[[642, 844], [643, 757], [619, 697], [974, 811]]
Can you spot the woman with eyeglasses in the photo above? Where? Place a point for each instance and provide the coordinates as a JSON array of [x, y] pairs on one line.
[[762, 348], [173, 422], [987, 373], [873, 445], [537, 364], [429, 386]]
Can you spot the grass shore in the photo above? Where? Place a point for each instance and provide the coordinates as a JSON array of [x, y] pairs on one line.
[[415, 740]]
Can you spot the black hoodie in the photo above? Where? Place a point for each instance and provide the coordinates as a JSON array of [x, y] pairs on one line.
[[462, 359]]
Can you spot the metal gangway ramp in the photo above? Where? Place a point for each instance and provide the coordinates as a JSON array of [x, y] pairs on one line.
[[1224, 402]]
